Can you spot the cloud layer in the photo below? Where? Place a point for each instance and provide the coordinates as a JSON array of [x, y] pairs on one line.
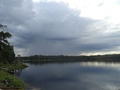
[[54, 28]]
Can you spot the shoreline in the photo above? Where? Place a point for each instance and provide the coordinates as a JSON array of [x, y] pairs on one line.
[[9, 81]]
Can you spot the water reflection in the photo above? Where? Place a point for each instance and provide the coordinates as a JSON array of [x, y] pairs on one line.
[[110, 64], [73, 76], [15, 72]]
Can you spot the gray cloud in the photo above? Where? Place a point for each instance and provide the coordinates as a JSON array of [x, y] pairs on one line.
[[54, 28]]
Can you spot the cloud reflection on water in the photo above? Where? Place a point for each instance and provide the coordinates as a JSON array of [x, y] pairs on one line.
[[73, 76]]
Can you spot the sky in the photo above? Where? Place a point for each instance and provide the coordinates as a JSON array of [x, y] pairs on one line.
[[62, 27]]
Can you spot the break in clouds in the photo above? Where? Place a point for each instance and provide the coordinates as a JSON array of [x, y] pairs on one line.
[[53, 28]]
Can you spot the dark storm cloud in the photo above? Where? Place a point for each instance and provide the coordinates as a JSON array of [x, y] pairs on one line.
[[53, 28], [15, 12]]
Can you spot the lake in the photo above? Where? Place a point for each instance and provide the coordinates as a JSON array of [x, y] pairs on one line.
[[72, 76]]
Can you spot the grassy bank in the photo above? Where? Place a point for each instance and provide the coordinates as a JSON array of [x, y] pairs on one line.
[[13, 66], [9, 81]]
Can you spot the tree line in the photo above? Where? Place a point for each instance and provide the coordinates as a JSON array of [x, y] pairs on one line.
[[60, 58]]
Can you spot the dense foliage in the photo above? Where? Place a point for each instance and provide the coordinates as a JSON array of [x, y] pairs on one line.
[[6, 50]]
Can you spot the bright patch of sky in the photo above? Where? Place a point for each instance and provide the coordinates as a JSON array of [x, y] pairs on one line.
[[105, 10], [96, 9]]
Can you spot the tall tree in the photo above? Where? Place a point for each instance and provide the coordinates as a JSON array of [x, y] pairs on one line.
[[6, 50]]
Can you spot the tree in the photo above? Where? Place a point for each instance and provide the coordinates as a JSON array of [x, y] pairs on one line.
[[3, 39], [6, 50], [2, 26]]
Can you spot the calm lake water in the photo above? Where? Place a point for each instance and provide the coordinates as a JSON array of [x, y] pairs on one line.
[[73, 76]]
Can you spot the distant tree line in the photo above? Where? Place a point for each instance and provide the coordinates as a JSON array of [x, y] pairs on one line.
[[6, 50], [60, 58]]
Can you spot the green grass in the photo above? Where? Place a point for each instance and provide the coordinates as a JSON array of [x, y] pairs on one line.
[[11, 81], [12, 66]]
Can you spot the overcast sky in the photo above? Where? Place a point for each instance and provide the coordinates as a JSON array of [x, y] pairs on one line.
[[62, 27]]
